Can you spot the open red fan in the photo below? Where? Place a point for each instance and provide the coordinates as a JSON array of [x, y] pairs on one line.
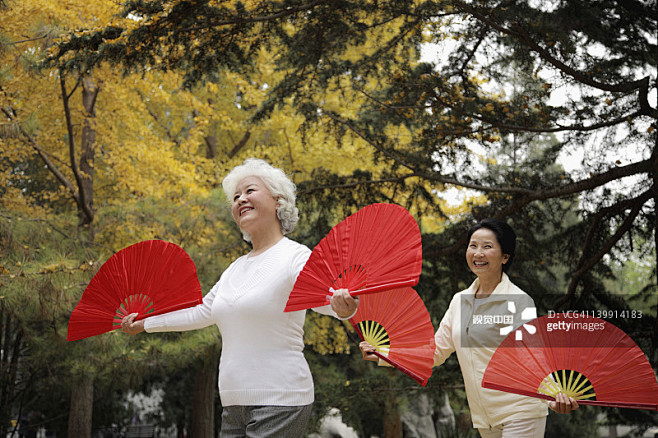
[[149, 278], [585, 357], [398, 325], [376, 248]]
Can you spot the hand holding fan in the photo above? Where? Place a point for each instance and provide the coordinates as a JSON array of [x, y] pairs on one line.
[[149, 278], [582, 356], [397, 324], [376, 248]]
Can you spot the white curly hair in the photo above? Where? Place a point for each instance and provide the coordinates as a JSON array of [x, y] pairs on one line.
[[276, 181]]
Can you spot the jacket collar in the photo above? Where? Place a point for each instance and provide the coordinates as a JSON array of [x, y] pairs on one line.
[[503, 288]]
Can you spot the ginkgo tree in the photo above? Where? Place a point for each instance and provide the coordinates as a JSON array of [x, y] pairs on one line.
[[57, 155]]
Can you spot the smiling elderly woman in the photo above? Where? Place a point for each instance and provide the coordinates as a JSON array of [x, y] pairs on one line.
[[265, 384], [496, 414], [256, 173]]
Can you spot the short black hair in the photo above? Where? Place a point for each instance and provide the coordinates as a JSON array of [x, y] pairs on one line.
[[504, 233]]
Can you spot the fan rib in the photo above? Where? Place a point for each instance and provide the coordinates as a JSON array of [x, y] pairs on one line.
[[377, 248], [150, 278], [401, 317]]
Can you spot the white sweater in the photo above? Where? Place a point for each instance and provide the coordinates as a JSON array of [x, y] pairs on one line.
[[475, 342], [261, 360]]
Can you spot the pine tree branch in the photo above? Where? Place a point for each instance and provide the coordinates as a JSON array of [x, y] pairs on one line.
[[518, 32], [265, 18], [584, 185], [587, 262], [526, 195], [470, 55], [563, 128], [493, 124], [351, 127]]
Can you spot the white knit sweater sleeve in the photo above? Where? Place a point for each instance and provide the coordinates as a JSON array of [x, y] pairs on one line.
[[191, 318]]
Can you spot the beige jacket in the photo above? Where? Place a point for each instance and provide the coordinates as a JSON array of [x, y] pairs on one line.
[[471, 327]]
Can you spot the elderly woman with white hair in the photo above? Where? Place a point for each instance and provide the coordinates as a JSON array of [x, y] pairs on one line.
[[265, 384]]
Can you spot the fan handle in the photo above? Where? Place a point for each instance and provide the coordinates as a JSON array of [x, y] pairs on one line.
[[402, 368], [407, 371]]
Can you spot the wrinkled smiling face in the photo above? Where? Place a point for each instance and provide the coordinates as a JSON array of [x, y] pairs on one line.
[[484, 254], [253, 205]]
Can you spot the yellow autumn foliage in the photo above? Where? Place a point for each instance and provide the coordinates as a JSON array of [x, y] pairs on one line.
[[161, 151], [325, 335]]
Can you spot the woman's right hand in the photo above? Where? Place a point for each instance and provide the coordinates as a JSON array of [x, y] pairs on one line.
[[130, 326], [563, 404], [368, 351]]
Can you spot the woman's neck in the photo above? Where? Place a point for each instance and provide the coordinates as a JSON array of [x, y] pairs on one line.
[[487, 285], [262, 242]]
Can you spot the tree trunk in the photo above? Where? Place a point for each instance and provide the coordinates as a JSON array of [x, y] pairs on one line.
[[612, 431], [11, 343], [82, 191], [88, 144], [82, 392], [82, 403], [392, 420], [180, 430], [239, 145], [211, 146], [203, 404]]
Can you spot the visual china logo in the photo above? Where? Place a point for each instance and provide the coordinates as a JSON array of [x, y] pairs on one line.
[[527, 314]]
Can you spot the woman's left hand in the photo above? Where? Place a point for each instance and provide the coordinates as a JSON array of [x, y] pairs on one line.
[[563, 404], [343, 303]]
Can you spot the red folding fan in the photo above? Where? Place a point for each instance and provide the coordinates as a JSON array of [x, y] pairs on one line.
[[585, 357], [398, 325], [376, 248], [149, 278]]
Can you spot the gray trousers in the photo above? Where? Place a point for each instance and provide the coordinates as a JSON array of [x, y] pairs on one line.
[[265, 421]]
